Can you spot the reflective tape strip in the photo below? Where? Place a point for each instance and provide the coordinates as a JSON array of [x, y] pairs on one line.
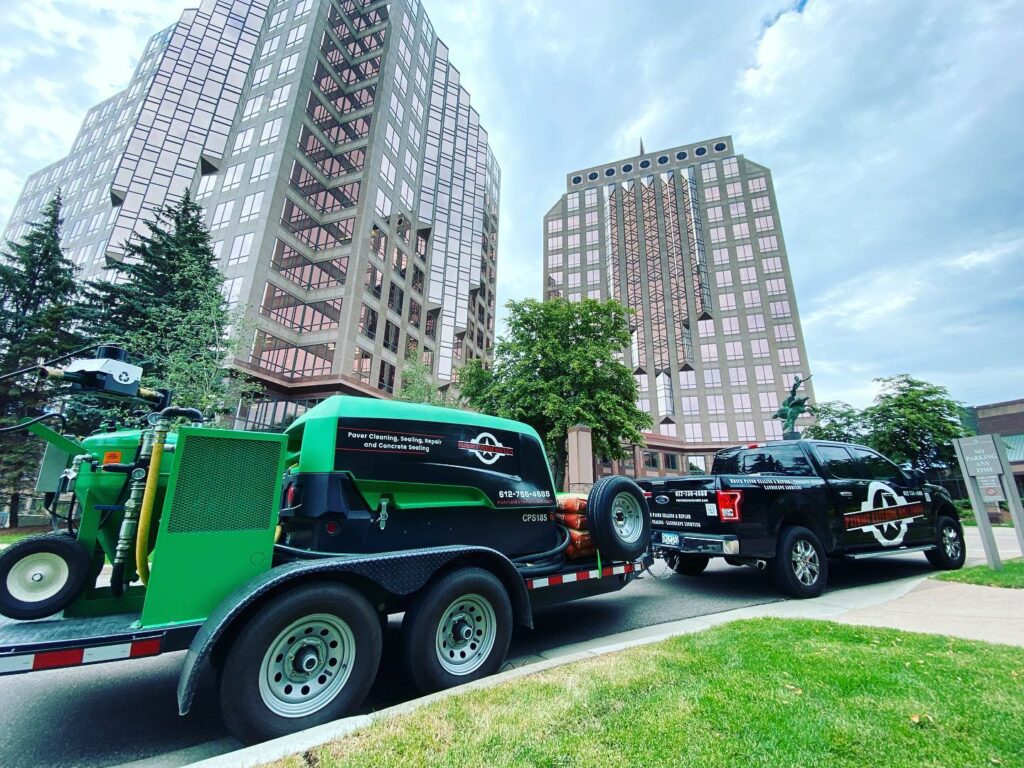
[[568, 578], [73, 657]]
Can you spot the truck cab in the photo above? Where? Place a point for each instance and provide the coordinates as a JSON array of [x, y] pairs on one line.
[[787, 506]]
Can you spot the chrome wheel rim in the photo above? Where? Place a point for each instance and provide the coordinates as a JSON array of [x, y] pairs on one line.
[[37, 577], [466, 634], [627, 517], [951, 542], [804, 559], [307, 665]]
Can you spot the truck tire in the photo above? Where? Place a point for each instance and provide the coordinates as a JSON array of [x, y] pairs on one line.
[[306, 657], [618, 518], [42, 575], [800, 567], [949, 553], [687, 565], [458, 631]]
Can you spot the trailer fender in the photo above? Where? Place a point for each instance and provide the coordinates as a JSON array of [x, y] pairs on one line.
[[399, 573]]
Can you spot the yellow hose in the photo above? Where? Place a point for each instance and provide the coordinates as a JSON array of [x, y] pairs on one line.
[[146, 515]]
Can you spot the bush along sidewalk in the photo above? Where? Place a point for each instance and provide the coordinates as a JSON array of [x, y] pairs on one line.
[[763, 692]]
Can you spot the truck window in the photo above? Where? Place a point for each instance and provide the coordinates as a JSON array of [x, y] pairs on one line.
[[771, 460], [839, 463], [877, 467]]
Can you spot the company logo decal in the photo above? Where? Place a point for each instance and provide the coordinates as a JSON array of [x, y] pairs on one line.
[[885, 513], [486, 447], [661, 499]]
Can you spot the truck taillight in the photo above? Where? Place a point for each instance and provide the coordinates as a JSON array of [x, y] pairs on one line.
[[729, 506], [291, 496]]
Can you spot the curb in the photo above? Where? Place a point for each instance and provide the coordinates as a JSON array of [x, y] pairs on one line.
[[826, 607]]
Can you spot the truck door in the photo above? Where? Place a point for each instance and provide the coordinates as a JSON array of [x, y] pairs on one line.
[[849, 491], [898, 507]]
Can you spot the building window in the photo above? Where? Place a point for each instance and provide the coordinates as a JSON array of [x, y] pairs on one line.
[[295, 35], [251, 207], [768, 244], [719, 432], [764, 223], [650, 460], [271, 130], [764, 375], [780, 309], [741, 403], [773, 429], [391, 336], [775, 287], [751, 299], [222, 215], [368, 322], [716, 404], [687, 379], [730, 166], [755, 323], [692, 433], [727, 301], [386, 378], [759, 348], [734, 350], [270, 47], [361, 364], [785, 332], [745, 431], [233, 177], [241, 247], [252, 107], [690, 405], [712, 377], [279, 97], [288, 65], [757, 185], [738, 377], [243, 141], [769, 401], [261, 168], [709, 353], [789, 356]]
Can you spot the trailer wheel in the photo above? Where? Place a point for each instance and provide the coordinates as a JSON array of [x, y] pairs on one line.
[[42, 575], [305, 658], [618, 518], [458, 631]]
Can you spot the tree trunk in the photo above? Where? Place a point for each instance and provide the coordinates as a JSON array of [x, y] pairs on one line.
[[561, 459], [12, 518]]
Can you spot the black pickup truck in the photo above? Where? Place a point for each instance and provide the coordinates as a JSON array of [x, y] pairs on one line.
[[789, 506]]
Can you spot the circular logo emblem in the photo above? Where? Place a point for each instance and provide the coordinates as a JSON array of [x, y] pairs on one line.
[[480, 444], [661, 499]]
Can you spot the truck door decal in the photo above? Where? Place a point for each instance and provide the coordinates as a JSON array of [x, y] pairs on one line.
[[882, 512]]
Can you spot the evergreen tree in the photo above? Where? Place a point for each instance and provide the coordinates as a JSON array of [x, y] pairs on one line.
[[38, 313], [166, 306]]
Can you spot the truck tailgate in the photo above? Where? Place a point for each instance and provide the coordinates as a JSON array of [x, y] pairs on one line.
[[682, 503]]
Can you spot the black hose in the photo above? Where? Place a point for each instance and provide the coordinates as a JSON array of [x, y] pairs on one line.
[[540, 556], [36, 420], [51, 362], [117, 580]]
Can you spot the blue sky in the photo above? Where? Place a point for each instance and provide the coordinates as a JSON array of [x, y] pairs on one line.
[[893, 130]]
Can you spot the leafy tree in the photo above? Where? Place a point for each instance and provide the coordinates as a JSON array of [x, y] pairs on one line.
[[167, 307], [38, 310], [557, 367], [836, 420], [914, 421], [418, 384]]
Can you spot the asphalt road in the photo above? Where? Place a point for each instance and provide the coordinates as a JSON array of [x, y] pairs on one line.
[[123, 712]]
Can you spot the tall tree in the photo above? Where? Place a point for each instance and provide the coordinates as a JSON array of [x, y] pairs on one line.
[[836, 420], [557, 366], [915, 422], [38, 310], [167, 306], [418, 384]]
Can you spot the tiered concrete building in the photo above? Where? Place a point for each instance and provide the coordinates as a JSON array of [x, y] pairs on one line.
[[689, 239], [347, 182]]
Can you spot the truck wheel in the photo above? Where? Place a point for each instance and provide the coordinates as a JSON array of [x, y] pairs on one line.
[[618, 518], [800, 567], [42, 575], [949, 553], [458, 631], [305, 658], [687, 565]]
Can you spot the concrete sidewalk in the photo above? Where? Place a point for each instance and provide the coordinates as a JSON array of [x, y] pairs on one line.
[[916, 604]]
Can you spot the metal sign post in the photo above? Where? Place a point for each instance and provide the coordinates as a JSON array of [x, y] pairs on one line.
[[1010, 492], [977, 456]]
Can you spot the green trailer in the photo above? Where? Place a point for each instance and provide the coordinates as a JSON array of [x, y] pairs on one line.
[[274, 560]]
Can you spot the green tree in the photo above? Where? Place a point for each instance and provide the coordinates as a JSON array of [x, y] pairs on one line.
[[418, 384], [38, 310], [836, 420], [556, 367], [167, 307], [914, 421]]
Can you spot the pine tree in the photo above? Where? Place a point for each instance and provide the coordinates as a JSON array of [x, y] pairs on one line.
[[38, 313], [166, 306]]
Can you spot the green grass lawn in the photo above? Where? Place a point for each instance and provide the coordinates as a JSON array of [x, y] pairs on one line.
[[1012, 575], [765, 692], [9, 537]]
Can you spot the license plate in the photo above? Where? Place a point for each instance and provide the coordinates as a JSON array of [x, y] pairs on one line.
[[670, 539]]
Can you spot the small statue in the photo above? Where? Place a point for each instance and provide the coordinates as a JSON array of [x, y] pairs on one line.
[[791, 408]]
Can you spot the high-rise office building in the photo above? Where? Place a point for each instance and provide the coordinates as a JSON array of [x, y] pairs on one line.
[[690, 240], [347, 182]]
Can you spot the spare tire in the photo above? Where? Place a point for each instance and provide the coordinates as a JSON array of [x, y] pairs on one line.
[[42, 575], [618, 518]]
